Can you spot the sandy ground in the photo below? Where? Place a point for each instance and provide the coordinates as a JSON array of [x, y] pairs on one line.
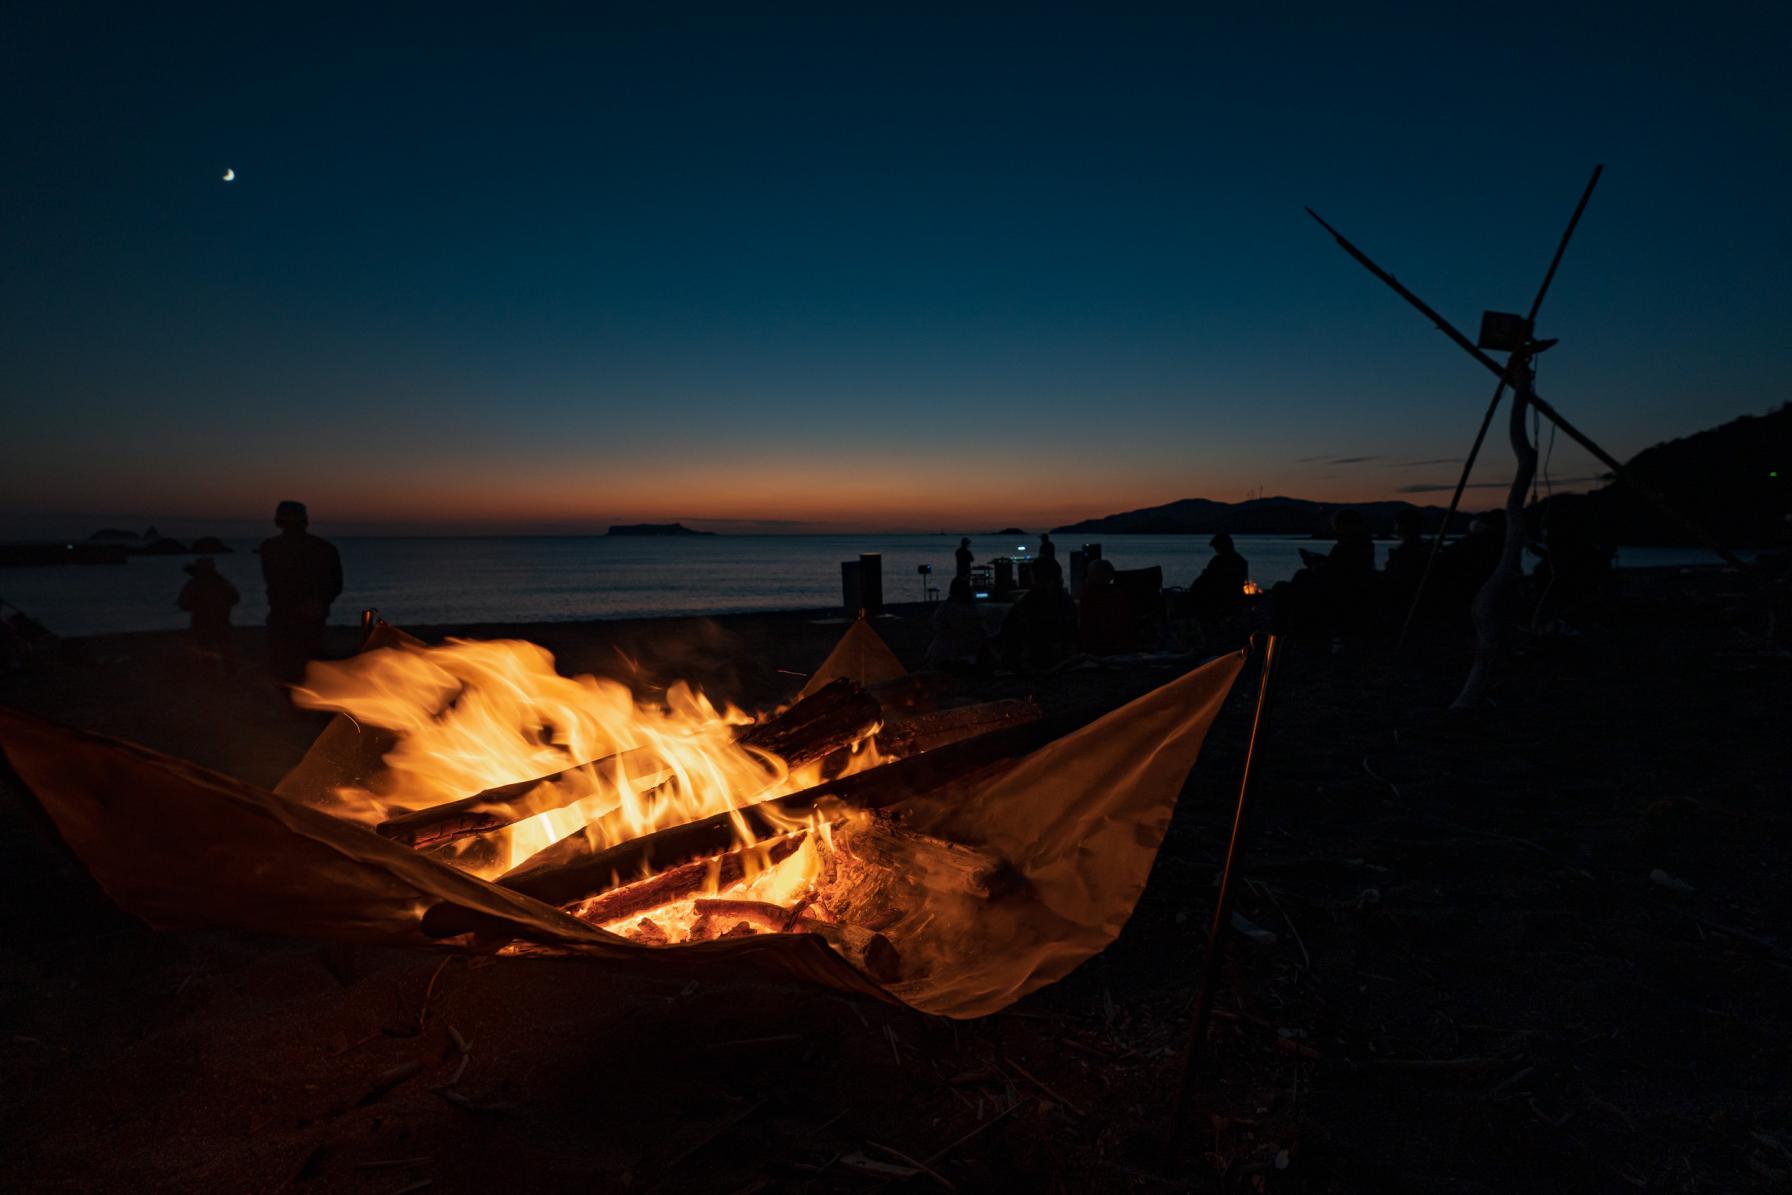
[[1474, 984]]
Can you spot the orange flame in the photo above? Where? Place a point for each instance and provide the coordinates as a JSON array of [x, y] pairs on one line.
[[471, 715]]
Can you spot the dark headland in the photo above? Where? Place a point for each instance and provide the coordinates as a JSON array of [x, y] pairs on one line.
[[655, 529], [1731, 479], [1259, 516]]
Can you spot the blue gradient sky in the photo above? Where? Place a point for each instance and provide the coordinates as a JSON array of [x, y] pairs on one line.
[[515, 268]]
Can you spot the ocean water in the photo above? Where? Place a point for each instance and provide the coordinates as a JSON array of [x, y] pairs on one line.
[[434, 581]]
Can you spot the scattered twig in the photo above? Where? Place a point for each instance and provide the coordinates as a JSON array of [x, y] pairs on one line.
[[1374, 775], [385, 1082], [824, 1124], [462, 1100], [392, 1163], [1269, 892], [1002, 1115], [423, 1009], [726, 1124], [1510, 1082], [923, 1167], [1024, 1073]]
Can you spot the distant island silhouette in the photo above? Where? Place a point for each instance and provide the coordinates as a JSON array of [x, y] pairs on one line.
[[654, 529]]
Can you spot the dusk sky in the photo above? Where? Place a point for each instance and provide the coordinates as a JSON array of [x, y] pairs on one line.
[[789, 267]]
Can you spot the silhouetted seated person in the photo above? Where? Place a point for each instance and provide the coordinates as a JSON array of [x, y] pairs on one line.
[[1104, 624], [303, 575], [1405, 567], [23, 639], [1047, 568], [1218, 593], [208, 598], [1573, 578], [958, 638], [1464, 566], [1040, 628], [1334, 595]]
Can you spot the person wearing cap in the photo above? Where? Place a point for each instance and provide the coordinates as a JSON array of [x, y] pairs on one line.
[[208, 597], [303, 575]]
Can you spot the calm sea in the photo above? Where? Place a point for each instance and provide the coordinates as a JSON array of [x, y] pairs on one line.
[[435, 581]]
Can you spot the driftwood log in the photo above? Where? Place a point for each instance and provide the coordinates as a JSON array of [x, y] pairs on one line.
[[554, 878], [815, 727]]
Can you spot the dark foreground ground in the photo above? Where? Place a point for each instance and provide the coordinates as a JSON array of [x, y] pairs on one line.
[[1475, 983]]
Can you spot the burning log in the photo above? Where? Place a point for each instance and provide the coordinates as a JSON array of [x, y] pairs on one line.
[[903, 737], [560, 878], [680, 883], [813, 728]]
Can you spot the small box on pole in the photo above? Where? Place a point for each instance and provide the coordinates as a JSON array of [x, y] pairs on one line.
[[1503, 332]]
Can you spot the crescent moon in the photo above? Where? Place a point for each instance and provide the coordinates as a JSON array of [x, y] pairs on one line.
[[229, 175]]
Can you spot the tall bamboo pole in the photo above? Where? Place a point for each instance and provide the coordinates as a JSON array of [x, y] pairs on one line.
[[1222, 905]]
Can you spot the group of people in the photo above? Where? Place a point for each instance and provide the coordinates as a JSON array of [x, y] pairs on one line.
[[1337, 594], [303, 574], [1045, 625], [1342, 594]]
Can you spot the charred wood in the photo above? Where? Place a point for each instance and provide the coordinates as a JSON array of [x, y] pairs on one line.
[[683, 882], [551, 877], [939, 728]]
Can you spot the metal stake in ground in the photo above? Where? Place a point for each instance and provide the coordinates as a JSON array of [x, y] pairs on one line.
[[1222, 907]]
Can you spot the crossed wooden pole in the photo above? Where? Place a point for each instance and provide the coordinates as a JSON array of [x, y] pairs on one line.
[[1515, 372]]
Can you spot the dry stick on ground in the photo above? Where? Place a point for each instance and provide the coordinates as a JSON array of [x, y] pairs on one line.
[[923, 1167], [817, 726], [1000, 1116], [1030, 1077]]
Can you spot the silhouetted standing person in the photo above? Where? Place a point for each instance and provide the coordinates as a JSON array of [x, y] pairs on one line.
[[208, 597], [304, 575], [963, 557], [1047, 549]]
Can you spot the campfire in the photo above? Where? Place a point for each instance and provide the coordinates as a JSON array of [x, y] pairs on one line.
[[563, 788], [867, 837]]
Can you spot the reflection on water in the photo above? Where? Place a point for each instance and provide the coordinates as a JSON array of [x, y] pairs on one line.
[[427, 581]]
